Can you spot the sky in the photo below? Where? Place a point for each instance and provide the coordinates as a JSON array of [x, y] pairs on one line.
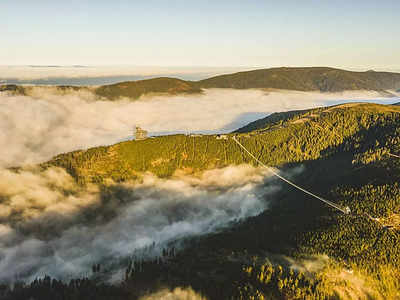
[[351, 34]]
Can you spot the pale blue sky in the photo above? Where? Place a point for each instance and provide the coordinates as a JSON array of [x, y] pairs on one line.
[[341, 33]]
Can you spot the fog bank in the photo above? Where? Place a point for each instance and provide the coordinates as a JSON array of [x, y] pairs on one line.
[[49, 225]]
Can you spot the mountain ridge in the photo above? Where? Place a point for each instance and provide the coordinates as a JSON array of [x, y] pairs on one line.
[[322, 79], [164, 155]]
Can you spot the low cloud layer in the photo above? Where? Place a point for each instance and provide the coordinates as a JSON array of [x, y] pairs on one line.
[[33, 129], [49, 225]]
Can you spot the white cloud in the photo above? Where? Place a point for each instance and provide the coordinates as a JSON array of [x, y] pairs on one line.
[[49, 225]]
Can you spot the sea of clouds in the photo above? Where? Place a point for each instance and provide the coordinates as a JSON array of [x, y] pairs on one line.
[[50, 225]]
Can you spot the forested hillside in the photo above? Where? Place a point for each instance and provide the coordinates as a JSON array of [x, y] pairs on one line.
[[278, 140], [306, 79], [135, 89], [299, 248]]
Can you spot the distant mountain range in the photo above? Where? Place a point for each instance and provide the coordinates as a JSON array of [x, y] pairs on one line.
[[322, 79]]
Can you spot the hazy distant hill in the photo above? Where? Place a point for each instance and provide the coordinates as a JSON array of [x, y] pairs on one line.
[[306, 79], [135, 89], [301, 79]]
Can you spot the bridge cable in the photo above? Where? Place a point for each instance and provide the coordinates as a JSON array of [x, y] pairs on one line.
[[345, 210]]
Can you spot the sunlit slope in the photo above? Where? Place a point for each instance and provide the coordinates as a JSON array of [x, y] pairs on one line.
[[306, 79], [304, 136]]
